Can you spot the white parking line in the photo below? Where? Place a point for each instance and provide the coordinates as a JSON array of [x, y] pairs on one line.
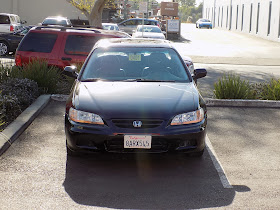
[[217, 164]]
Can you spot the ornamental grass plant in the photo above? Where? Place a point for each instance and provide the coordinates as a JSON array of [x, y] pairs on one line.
[[231, 86], [47, 77], [271, 91]]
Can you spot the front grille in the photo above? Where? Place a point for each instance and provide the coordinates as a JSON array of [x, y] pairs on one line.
[[128, 123]]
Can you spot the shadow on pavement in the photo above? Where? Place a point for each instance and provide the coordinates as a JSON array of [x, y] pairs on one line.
[[146, 181], [181, 40]]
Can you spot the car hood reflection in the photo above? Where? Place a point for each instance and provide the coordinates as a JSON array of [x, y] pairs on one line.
[[135, 99]]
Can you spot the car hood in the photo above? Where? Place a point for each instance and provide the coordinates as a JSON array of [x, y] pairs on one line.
[[135, 99], [148, 35]]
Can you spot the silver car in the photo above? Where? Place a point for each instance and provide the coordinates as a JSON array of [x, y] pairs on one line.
[[148, 31], [131, 24]]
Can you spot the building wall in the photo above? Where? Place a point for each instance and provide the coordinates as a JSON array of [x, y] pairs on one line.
[[244, 16], [34, 11]]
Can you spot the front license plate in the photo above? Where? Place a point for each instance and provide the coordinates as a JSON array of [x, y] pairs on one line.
[[137, 141]]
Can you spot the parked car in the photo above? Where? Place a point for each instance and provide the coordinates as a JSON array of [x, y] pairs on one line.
[[60, 46], [203, 23], [56, 20], [148, 31], [135, 95], [110, 26], [131, 24], [10, 41], [10, 23]]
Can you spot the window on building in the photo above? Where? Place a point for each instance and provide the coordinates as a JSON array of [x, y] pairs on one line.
[[236, 16], [258, 17], [230, 18], [212, 15], [219, 17], [251, 14], [269, 18], [227, 18], [242, 18], [222, 17], [279, 26]]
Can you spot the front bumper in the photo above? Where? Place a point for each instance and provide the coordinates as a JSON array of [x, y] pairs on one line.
[[97, 138]]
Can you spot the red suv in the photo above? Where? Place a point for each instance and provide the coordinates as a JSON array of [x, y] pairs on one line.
[[60, 46]]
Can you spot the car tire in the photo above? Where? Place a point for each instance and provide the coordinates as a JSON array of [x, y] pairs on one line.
[[4, 48], [196, 154]]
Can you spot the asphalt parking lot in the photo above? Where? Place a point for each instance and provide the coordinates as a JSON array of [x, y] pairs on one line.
[[35, 171], [239, 170]]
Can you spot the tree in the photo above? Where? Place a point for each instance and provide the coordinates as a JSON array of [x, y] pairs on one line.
[[92, 9], [188, 3]]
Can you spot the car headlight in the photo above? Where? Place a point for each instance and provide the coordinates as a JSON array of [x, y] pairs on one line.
[[188, 118], [85, 117]]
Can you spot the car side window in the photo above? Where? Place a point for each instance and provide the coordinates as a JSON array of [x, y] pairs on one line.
[[4, 19], [80, 44], [38, 42], [131, 22]]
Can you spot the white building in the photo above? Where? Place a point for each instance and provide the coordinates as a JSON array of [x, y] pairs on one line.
[[256, 17], [35, 11]]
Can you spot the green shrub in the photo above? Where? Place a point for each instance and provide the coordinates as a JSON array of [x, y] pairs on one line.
[[47, 77], [16, 95], [271, 91], [232, 87]]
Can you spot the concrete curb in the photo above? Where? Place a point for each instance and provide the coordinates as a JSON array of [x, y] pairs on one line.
[[12, 131], [242, 103]]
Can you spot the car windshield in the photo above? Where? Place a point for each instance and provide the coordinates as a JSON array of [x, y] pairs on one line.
[[111, 27], [205, 20], [148, 29], [54, 22], [135, 64]]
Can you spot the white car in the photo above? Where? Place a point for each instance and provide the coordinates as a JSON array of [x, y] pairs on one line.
[[148, 31], [10, 23], [110, 26]]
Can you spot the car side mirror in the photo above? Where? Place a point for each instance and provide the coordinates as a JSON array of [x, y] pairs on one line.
[[199, 73], [71, 71]]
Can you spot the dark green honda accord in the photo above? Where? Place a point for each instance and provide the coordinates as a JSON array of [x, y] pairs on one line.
[[135, 95]]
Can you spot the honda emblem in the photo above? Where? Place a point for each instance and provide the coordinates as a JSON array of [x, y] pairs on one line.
[[137, 124]]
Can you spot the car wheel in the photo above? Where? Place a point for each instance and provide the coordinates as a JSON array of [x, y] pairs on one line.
[[196, 154], [4, 48]]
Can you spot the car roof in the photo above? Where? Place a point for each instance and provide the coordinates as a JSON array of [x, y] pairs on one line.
[[134, 42], [8, 14], [139, 19], [151, 26], [56, 17], [111, 24], [78, 30]]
